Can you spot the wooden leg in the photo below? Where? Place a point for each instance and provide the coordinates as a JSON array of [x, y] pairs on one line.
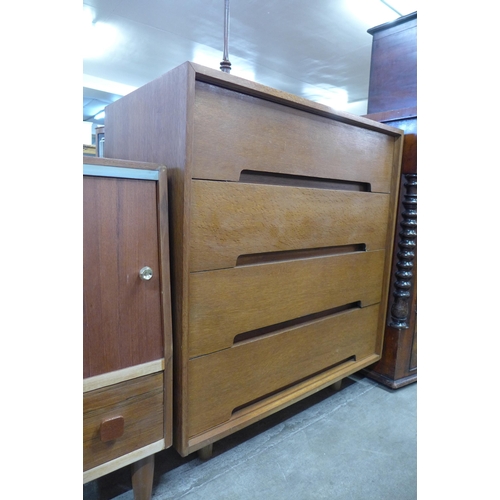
[[142, 478], [337, 385], [206, 452]]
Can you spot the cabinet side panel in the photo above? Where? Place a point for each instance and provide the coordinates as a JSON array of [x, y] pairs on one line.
[[155, 123]]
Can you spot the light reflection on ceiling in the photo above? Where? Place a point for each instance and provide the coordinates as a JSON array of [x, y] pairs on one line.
[[319, 50]]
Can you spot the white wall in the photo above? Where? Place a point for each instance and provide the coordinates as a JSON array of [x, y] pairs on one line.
[[87, 131]]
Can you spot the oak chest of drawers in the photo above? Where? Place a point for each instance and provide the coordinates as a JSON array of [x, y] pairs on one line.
[[282, 217], [127, 341]]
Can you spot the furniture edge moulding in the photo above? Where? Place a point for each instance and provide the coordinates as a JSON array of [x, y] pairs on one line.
[[117, 376], [165, 107], [124, 460], [401, 23]]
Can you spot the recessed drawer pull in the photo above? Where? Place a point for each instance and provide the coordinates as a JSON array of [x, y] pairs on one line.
[[146, 273], [112, 429]]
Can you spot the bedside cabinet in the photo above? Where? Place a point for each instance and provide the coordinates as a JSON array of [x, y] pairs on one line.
[[127, 339], [282, 215]]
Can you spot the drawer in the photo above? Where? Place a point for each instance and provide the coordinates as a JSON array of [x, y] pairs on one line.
[[224, 383], [228, 302], [229, 220], [122, 418], [235, 133]]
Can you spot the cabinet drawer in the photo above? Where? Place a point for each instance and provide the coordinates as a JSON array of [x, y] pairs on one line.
[[229, 220], [234, 132], [220, 384], [122, 418], [228, 302]]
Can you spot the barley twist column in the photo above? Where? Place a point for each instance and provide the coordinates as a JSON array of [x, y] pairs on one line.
[[406, 255]]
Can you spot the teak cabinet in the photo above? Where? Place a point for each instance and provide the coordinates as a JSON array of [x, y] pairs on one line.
[[282, 217], [393, 100], [127, 341]]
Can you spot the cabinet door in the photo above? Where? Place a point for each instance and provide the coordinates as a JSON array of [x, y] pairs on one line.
[[121, 311]]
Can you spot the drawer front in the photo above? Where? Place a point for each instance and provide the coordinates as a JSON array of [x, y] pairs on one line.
[[228, 380], [229, 220], [122, 323], [228, 302], [122, 418], [234, 132]]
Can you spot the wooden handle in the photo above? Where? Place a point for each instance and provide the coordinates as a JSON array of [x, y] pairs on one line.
[[112, 429]]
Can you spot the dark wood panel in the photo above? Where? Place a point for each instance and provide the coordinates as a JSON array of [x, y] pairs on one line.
[[393, 71], [122, 313], [413, 358]]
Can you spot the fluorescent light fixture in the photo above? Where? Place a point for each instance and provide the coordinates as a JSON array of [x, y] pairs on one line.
[[100, 115]]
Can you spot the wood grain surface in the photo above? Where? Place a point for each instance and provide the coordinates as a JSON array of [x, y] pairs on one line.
[[229, 378], [393, 67], [232, 219], [139, 402], [235, 132], [122, 313], [210, 126], [227, 302]]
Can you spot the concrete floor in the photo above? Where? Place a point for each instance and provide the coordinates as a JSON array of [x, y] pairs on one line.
[[355, 444]]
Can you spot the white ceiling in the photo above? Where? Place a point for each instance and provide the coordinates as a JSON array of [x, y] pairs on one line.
[[318, 49]]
